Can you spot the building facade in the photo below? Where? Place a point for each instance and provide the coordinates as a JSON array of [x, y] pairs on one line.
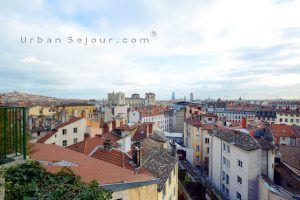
[[289, 117], [235, 164], [115, 99], [66, 134]]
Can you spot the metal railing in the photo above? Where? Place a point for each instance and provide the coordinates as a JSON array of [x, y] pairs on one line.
[[13, 132]]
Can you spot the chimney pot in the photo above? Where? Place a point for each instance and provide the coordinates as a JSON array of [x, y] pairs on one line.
[[86, 136], [174, 149], [136, 156], [107, 145]]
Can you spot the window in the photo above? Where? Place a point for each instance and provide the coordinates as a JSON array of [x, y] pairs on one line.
[[240, 163], [297, 121], [228, 148], [206, 140], [64, 143], [164, 193], [74, 130], [207, 150], [174, 191], [64, 131], [197, 148], [285, 120], [223, 187], [239, 180], [223, 175], [227, 179], [227, 192], [224, 147], [75, 140], [197, 158], [238, 196], [292, 120]]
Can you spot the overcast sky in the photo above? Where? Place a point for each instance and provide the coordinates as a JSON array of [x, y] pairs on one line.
[[215, 48]]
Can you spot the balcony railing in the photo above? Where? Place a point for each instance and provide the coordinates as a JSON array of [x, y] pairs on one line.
[[12, 133]]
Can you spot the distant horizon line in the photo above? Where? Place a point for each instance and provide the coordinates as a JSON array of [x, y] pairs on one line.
[[180, 99]]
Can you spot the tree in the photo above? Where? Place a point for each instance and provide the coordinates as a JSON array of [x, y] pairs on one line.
[[31, 181]]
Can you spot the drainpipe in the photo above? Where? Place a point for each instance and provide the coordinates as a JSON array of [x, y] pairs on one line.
[[24, 133], [221, 166]]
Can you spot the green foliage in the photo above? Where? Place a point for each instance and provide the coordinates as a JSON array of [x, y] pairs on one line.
[[31, 181]]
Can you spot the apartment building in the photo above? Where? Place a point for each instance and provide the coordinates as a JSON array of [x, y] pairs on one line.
[[74, 110], [161, 117], [180, 115], [68, 133], [196, 137], [235, 164], [289, 117], [286, 134]]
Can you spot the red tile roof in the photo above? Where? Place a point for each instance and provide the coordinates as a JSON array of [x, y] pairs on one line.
[[193, 121], [113, 156], [142, 131], [86, 167], [209, 126], [150, 113], [50, 134], [88, 145], [126, 127], [282, 130]]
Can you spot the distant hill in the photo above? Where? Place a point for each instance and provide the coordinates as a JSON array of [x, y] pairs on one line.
[[29, 100]]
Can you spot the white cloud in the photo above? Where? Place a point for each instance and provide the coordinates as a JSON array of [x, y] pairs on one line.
[[209, 32]]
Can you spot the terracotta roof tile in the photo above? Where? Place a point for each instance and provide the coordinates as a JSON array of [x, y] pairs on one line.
[[113, 156], [86, 167], [88, 145], [193, 121]]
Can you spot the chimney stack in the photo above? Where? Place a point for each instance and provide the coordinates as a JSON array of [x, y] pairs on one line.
[[244, 122], [174, 149], [136, 156], [107, 145], [86, 136], [83, 114]]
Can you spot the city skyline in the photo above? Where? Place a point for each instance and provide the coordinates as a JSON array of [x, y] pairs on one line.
[[214, 49]]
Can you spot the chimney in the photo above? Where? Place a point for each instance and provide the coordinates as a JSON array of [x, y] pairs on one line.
[[174, 149], [83, 114], [86, 136], [244, 122], [136, 156], [107, 145]]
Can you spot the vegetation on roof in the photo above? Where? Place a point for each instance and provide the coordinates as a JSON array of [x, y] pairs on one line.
[[31, 181]]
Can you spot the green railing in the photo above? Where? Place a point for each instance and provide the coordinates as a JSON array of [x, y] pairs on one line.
[[13, 132]]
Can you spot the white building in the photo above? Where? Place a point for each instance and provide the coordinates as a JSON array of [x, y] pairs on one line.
[[235, 164], [163, 119], [66, 134]]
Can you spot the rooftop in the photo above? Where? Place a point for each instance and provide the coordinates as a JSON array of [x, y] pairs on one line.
[[50, 134], [89, 144], [160, 163], [238, 139], [86, 167]]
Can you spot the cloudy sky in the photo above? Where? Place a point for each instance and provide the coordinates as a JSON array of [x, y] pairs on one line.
[[215, 48]]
